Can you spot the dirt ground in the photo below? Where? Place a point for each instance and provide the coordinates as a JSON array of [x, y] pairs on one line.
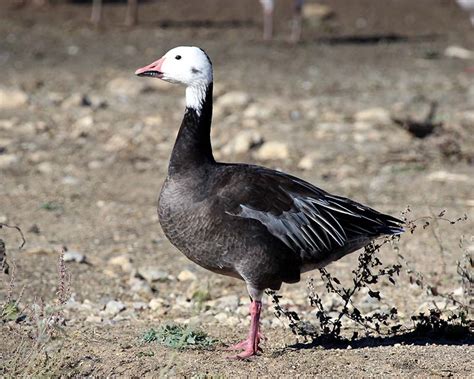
[[84, 147]]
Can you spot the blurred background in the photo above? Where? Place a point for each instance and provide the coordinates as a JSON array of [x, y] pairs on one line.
[[369, 99]]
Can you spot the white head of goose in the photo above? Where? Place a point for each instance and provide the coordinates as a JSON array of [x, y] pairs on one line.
[[262, 226]]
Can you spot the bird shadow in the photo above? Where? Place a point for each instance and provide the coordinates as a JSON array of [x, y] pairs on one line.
[[409, 338]]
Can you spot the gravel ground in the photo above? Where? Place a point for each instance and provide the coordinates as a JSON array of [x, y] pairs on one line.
[[84, 147]]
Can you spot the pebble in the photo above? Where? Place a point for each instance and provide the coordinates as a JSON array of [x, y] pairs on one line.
[[242, 142], [114, 307], [74, 256], [122, 261], [306, 163], [374, 115], [45, 168], [155, 304], [11, 98], [139, 286], [257, 112], [273, 150], [8, 161], [94, 319], [233, 99], [82, 127], [458, 52], [186, 275], [152, 274], [140, 305], [75, 100], [444, 176], [116, 143], [314, 12]]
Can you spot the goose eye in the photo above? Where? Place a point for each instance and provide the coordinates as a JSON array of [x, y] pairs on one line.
[[178, 57]]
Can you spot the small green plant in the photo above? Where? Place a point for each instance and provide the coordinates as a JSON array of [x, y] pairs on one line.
[[10, 311], [51, 206], [179, 337]]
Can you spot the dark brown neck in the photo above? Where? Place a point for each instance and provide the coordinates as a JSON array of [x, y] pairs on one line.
[[192, 148]]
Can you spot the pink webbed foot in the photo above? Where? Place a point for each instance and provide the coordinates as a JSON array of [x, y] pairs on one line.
[[251, 344], [246, 343]]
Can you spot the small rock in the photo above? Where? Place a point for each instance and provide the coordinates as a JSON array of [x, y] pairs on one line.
[[374, 115], [273, 150], [8, 161], [258, 112], [11, 98], [140, 305], [74, 256], [444, 176], [94, 319], [155, 304], [114, 307], [152, 274], [243, 142], [122, 261], [316, 12], [75, 100], [233, 99], [306, 163], [458, 52], [82, 127], [45, 168], [153, 121], [186, 275], [94, 165], [70, 180], [116, 143], [139, 286]]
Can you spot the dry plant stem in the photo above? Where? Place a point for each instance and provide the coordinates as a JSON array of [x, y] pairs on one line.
[[369, 272], [441, 247], [23, 240]]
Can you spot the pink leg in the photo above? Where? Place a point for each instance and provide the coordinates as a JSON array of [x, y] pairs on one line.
[[250, 345]]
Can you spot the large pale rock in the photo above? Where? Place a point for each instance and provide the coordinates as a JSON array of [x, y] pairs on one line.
[[122, 261], [74, 256], [11, 98], [273, 150], [152, 274], [233, 99], [114, 307], [243, 142]]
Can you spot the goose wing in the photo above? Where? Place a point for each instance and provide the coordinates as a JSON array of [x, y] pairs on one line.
[[307, 219]]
